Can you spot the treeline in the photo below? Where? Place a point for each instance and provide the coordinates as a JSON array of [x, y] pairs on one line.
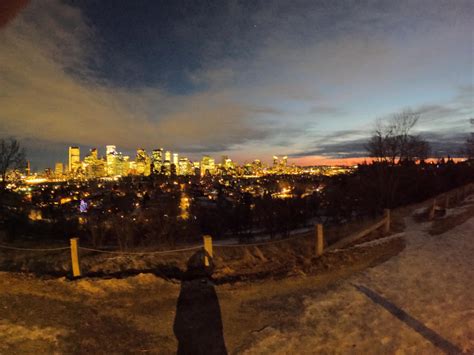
[[345, 198]]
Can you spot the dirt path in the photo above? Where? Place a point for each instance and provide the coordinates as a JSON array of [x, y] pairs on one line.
[[420, 301]]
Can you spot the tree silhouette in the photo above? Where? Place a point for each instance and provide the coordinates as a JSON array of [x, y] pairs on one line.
[[12, 156]]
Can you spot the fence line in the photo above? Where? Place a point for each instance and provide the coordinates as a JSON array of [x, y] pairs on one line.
[[385, 222], [32, 249], [141, 252], [207, 246]]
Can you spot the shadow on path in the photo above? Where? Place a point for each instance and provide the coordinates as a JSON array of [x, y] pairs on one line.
[[429, 334], [198, 322]]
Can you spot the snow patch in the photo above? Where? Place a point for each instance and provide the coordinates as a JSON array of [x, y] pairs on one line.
[[12, 333]]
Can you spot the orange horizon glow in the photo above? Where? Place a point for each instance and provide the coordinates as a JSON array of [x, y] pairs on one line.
[[321, 160]]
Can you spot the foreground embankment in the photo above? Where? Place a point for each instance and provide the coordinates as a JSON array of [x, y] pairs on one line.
[[419, 301]]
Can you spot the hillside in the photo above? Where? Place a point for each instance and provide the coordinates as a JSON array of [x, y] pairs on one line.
[[419, 301]]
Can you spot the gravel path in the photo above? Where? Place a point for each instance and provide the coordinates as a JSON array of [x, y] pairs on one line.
[[419, 302]]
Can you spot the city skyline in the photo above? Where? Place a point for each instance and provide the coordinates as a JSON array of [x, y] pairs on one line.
[[91, 164], [244, 79]]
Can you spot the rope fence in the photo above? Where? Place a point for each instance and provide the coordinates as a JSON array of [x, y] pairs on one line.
[[32, 249], [208, 245], [141, 252]]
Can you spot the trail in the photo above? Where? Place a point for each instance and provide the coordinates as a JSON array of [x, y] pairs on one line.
[[419, 302]]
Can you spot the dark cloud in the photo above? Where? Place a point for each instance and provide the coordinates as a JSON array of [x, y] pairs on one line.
[[229, 76], [443, 143], [347, 149]]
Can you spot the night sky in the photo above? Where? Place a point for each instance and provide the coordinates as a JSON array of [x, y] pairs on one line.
[[249, 79]]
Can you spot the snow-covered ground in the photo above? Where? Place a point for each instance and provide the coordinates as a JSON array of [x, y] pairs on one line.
[[419, 302]]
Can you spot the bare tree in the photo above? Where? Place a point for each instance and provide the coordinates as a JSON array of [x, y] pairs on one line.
[[469, 147], [12, 156], [392, 142]]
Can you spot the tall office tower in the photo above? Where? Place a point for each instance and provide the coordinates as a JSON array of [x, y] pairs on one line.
[[175, 159], [142, 161], [28, 169], [157, 160], [94, 153], [207, 165], [228, 164], [110, 152], [284, 161], [93, 167], [184, 167], [110, 149], [166, 167], [58, 169], [125, 164], [224, 158], [275, 161], [74, 159]]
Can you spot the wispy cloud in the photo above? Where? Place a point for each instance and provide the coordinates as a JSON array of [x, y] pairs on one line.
[[307, 78], [48, 92]]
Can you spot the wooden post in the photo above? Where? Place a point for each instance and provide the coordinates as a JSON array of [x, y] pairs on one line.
[[319, 240], [432, 210], [76, 269], [386, 227], [207, 249]]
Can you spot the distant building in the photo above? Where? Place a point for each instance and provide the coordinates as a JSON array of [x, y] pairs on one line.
[[143, 162], [93, 167], [74, 159], [207, 165], [58, 169], [110, 153], [275, 161], [94, 153], [185, 167], [157, 160]]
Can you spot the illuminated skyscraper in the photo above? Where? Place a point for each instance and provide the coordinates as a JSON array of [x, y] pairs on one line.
[[207, 165], [157, 160], [110, 151], [94, 153], [93, 167], [175, 159], [143, 163], [58, 169], [167, 163], [228, 164], [185, 167], [275, 161], [224, 158], [74, 159]]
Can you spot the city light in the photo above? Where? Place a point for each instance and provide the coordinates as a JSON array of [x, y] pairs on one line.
[[115, 165]]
